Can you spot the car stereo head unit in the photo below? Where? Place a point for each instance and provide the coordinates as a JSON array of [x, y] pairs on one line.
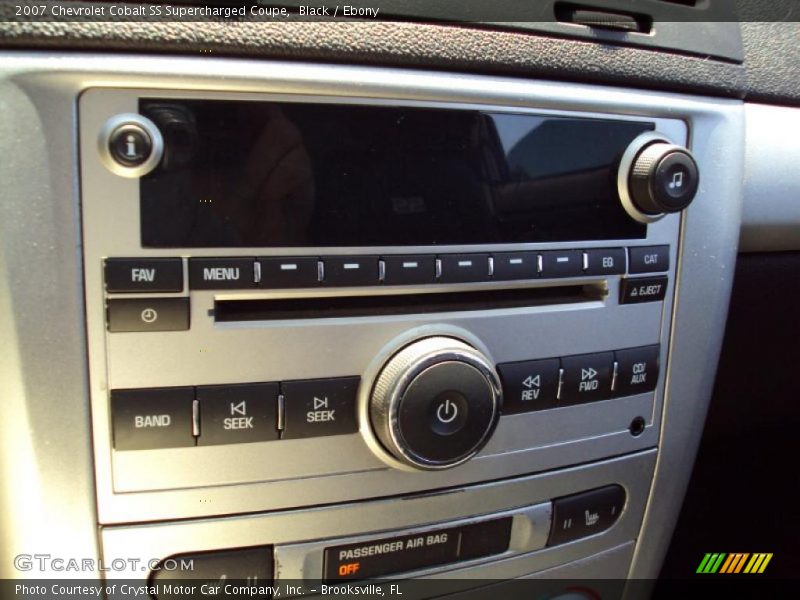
[[327, 298]]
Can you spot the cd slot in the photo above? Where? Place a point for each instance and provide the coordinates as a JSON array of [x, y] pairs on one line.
[[331, 307]]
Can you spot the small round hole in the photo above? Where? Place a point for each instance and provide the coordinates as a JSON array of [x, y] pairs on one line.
[[637, 426]]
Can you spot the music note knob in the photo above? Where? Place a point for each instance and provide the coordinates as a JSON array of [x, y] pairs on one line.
[[656, 178]]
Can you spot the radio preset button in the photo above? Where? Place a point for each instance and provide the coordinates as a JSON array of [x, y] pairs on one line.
[[637, 370], [529, 385], [586, 378], [351, 270], [606, 261], [280, 272], [585, 514], [147, 314], [235, 414], [320, 407], [649, 259], [152, 418], [462, 268], [643, 289], [515, 265], [221, 273], [562, 263], [131, 275], [409, 269]]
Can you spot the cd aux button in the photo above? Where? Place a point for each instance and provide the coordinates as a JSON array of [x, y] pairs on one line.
[[320, 407], [221, 273], [637, 370], [132, 275], [586, 378], [462, 268], [280, 272], [529, 385], [235, 414]]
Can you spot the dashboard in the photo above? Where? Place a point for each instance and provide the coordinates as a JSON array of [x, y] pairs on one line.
[[337, 303]]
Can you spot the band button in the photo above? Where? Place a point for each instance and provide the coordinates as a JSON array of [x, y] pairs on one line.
[[152, 418]]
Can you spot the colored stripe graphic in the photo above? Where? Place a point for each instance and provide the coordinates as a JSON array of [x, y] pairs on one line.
[[737, 562]]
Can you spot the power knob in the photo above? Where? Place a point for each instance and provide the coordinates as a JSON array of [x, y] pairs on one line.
[[435, 403], [656, 177]]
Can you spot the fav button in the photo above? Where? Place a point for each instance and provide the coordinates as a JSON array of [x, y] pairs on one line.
[[529, 385], [235, 414], [320, 407], [152, 418], [587, 377], [131, 275], [221, 273]]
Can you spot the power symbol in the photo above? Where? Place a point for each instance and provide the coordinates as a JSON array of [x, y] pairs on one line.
[[447, 411]]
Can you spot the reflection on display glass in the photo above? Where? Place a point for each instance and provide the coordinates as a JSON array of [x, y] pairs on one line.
[[268, 174]]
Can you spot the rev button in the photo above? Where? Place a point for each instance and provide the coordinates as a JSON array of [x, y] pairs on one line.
[[319, 407], [529, 385], [234, 414], [221, 273]]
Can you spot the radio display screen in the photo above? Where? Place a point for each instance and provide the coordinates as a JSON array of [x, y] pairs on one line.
[[285, 174]]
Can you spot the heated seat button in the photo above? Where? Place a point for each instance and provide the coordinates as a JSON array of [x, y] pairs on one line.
[[152, 418], [585, 514], [148, 314], [351, 270], [637, 370], [562, 263], [408, 270], [319, 407], [460, 268], [280, 272], [516, 265], [648, 259], [221, 273], [235, 414], [240, 573], [586, 378], [131, 275], [643, 289], [529, 385], [607, 261]]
